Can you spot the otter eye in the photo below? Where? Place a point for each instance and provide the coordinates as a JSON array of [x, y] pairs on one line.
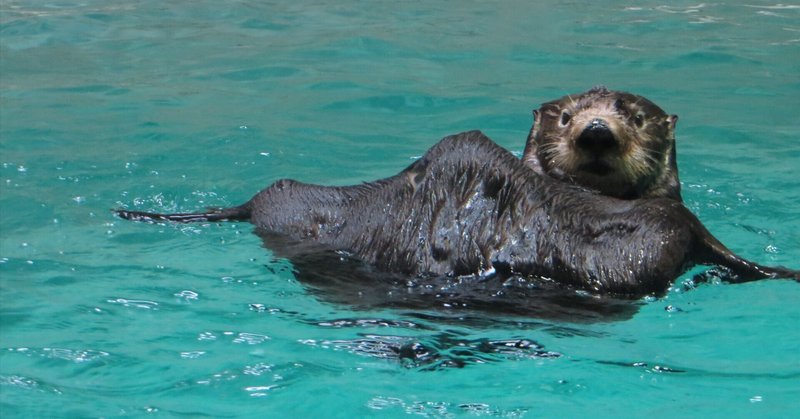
[[639, 119], [565, 117]]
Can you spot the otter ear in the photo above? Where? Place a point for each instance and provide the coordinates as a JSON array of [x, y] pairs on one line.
[[672, 119], [537, 124], [673, 184], [529, 156]]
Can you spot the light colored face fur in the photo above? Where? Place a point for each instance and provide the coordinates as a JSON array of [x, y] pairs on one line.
[[616, 143]]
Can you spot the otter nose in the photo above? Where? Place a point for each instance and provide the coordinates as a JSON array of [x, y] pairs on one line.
[[597, 137]]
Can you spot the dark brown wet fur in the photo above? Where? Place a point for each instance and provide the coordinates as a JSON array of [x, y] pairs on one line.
[[469, 207], [616, 143]]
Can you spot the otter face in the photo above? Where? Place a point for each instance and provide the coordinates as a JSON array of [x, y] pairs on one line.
[[616, 143]]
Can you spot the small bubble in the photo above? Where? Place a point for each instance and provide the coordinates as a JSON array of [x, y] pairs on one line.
[[144, 304], [192, 354], [22, 169], [250, 338], [187, 295], [258, 369], [259, 391]]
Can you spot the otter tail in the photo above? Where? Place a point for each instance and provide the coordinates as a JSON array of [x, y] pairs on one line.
[[240, 213], [714, 252]]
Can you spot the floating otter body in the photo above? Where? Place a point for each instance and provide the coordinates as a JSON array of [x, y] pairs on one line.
[[469, 207], [616, 143]]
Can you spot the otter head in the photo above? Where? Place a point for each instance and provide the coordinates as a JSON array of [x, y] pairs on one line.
[[616, 143]]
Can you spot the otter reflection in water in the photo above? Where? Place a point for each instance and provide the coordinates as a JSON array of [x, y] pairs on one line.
[[469, 207]]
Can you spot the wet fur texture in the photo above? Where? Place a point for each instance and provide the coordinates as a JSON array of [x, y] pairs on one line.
[[469, 207], [616, 143]]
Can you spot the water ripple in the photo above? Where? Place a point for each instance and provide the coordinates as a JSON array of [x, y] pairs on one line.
[[366, 323], [187, 295], [644, 366], [260, 391], [441, 409], [143, 304], [72, 355], [442, 351], [251, 338], [27, 383]]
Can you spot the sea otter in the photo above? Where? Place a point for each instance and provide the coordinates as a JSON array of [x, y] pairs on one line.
[[616, 143], [469, 207]]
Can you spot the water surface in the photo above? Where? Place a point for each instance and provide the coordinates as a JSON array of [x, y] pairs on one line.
[[170, 106]]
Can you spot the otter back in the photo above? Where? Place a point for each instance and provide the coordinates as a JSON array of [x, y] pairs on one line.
[[470, 207]]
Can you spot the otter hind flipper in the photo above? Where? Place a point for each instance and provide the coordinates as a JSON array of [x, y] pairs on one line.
[[240, 213], [743, 270]]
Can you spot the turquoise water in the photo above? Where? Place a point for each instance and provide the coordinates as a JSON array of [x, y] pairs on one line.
[[182, 105]]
